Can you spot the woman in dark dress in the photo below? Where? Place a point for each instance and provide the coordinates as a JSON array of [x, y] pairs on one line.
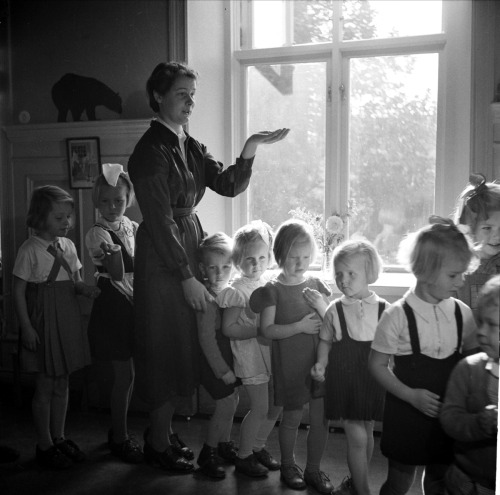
[[170, 171]]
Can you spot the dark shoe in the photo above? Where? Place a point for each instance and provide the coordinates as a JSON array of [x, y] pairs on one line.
[[266, 459], [319, 481], [292, 477], [210, 463], [167, 460], [250, 466], [180, 448], [52, 458], [227, 451], [71, 450], [8, 454], [128, 451], [345, 488]]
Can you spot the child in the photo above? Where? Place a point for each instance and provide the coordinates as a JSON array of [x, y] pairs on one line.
[[216, 366], [252, 359], [479, 210], [111, 243], [286, 317], [470, 409], [352, 394], [54, 344], [424, 331]]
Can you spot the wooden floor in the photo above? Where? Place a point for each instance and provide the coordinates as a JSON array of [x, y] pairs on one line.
[[103, 474]]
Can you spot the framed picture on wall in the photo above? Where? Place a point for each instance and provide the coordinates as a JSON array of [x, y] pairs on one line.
[[84, 160]]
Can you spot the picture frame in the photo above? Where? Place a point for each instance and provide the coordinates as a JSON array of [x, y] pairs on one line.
[[84, 161]]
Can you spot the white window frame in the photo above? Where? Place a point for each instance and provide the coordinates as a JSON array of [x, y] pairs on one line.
[[453, 148]]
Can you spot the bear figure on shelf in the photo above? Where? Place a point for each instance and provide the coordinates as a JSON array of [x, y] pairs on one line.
[[76, 93]]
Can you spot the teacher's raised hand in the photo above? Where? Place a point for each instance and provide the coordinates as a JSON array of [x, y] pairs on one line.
[[262, 137]]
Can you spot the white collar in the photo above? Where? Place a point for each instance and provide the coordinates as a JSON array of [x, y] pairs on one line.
[[426, 310], [180, 135], [372, 298]]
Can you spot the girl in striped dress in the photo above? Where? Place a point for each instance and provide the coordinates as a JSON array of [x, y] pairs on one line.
[[352, 394]]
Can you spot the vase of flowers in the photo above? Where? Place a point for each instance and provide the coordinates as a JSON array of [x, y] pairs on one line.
[[328, 233]]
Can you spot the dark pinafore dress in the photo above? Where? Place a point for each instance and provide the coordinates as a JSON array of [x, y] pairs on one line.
[[111, 324], [55, 315], [213, 385], [351, 391], [409, 436]]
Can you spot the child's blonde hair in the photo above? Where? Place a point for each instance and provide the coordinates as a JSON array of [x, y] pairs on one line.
[[424, 251], [373, 261], [477, 201], [488, 296], [256, 230], [219, 243], [101, 183], [41, 203], [290, 232]]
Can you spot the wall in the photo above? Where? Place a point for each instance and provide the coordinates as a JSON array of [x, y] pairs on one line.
[[117, 42]]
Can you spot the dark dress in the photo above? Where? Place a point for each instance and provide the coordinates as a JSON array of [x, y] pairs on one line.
[[111, 324], [410, 436], [166, 350], [292, 358], [351, 390]]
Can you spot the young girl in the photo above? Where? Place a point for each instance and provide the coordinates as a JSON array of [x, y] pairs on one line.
[[54, 343], [352, 394], [216, 365], [252, 358], [286, 317], [479, 210], [111, 243], [425, 331]]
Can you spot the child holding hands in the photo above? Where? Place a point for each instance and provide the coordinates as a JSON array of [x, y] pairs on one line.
[[54, 343], [290, 314], [352, 394], [216, 365], [470, 408], [111, 245], [252, 360], [425, 333]]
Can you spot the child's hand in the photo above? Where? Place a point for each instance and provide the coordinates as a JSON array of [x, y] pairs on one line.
[[310, 324], [90, 291], [488, 419], [109, 249], [315, 300], [229, 377], [29, 338], [318, 372], [426, 402]]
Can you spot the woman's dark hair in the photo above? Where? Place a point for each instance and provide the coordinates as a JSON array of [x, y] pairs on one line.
[[41, 203], [163, 77]]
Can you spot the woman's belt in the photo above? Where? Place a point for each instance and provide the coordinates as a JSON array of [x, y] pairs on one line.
[[182, 212]]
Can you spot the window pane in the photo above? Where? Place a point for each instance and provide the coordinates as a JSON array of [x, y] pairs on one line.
[[389, 19], [392, 146], [289, 174], [285, 22]]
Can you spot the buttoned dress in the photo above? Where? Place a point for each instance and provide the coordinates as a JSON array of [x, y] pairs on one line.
[[169, 184]]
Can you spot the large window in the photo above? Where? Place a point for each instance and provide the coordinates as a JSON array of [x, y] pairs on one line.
[[363, 85]]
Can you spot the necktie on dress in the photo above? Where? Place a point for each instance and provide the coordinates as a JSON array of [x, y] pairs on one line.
[[56, 251]]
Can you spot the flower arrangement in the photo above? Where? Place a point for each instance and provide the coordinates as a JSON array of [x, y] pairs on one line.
[[328, 233]]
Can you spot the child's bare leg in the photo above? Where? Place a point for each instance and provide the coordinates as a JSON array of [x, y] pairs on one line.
[[59, 406], [41, 406], [358, 453], [123, 381], [268, 424], [221, 422]]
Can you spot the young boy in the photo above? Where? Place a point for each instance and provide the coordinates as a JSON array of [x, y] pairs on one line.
[[470, 409]]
